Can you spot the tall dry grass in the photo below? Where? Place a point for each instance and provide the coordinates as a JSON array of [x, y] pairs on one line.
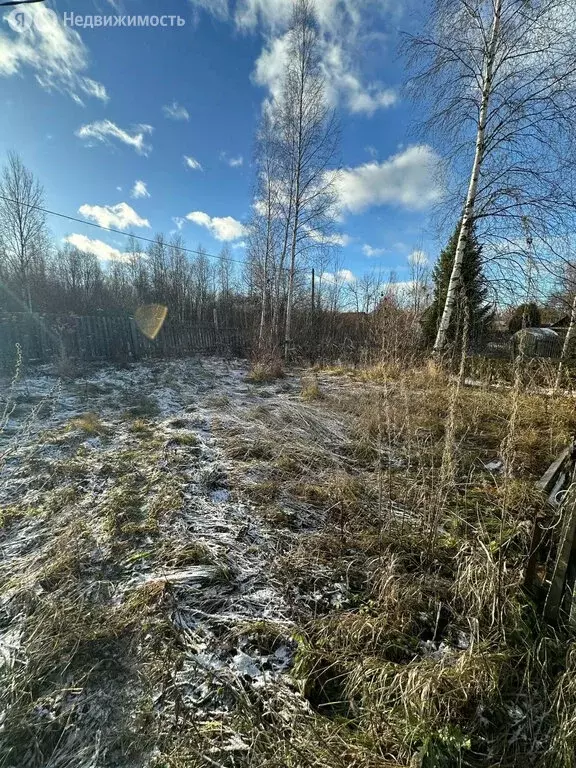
[[438, 657]]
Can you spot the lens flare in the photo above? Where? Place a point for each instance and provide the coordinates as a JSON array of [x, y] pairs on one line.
[[150, 319]]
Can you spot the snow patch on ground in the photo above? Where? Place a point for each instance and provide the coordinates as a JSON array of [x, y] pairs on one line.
[[182, 400]]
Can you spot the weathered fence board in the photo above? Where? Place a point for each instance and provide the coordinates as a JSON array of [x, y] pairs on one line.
[[558, 584], [561, 580], [43, 338]]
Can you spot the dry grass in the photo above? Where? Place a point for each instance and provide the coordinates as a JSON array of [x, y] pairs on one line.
[[189, 439], [416, 643], [266, 369], [141, 427], [262, 493], [418, 413], [90, 423], [311, 389], [89, 648]]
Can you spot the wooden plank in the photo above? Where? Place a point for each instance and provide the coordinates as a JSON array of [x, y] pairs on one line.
[[91, 345], [565, 547], [133, 338], [108, 339], [548, 479], [530, 581], [84, 338]]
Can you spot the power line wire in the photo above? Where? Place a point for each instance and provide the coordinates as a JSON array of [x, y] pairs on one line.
[[20, 2], [120, 232], [131, 234]]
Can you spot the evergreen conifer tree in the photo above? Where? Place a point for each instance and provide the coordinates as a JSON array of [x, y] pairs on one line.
[[475, 288]]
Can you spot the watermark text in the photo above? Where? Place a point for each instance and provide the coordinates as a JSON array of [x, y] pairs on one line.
[[96, 21]]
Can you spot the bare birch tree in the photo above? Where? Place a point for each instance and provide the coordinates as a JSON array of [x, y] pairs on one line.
[[501, 77], [308, 141], [22, 225], [264, 228]]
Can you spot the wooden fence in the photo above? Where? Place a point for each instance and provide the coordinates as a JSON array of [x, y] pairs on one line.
[[44, 338], [554, 579]]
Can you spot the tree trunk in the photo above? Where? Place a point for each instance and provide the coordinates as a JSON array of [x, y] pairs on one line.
[[468, 216], [566, 345], [264, 285], [294, 243], [276, 309], [290, 299]]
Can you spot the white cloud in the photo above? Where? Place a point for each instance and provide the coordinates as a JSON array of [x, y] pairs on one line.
[[105, 130], [175, 111], [271, 65], [344, 84], [222, 228], [139, 189], [342, 40], [218, 8], [55, 53], [418, 258], [233, 162], [408, 290], [341, 276], [179, 221], [101, 250], [334, 238], [192, 163], [338, 239], [120, 216], [271, 13], [408, 179], [345, 31], [367, 250], [402, 288]]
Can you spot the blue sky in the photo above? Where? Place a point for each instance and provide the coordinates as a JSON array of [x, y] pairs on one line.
[[94, 111]]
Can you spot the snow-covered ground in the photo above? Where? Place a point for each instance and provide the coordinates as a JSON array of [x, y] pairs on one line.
[[122, 483]]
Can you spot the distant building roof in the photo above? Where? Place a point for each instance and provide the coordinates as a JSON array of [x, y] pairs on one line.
[[562, 322], [538, 333]]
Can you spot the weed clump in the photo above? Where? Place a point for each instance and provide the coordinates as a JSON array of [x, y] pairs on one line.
[[185, 438], [311, 389], [141, 427], [90, 423], [265, 370]]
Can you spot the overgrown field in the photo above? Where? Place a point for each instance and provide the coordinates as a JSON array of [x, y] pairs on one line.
[[200, 566]]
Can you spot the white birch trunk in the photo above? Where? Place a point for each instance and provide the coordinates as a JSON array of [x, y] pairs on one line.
[[290, 300], [266, 261], [297, 202], [468, 215]]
